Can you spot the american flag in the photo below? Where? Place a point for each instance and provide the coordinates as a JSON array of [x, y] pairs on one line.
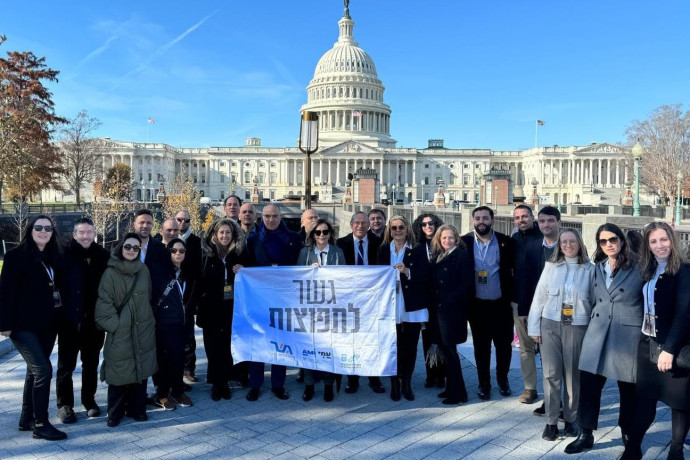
[[540, 122], [150, 121], [356, 113]]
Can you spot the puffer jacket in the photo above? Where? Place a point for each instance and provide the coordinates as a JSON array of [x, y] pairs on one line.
[[130, 346]]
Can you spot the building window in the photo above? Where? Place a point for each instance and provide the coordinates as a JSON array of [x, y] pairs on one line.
[[247, 177], [426, 166], [426, 180], [466, 179], [222, 178]]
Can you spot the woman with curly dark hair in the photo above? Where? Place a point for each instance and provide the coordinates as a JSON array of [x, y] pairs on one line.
[[223, 249], [424, 228], [30, 305]]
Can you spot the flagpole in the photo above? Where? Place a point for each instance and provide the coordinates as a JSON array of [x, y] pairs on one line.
[[536, 130], [147, 129]]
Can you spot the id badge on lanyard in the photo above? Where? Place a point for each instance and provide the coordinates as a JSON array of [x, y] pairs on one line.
[[57, 301], [483, 277], [228, 293], [649, 325], [567, 313]]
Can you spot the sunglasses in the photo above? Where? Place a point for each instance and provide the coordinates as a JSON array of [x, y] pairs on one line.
[[612, 240], [322, 232], [184, 221], [131, 247], [175, 251], [395, 228], [44, 228], [424, 224]]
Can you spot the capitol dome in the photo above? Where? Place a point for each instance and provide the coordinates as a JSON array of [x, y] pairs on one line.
[[348, 95]]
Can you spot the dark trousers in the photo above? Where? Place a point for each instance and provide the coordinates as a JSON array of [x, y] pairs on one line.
[[491, 320], [126, 398], [170, 343], [35, 348], [645, 412], [438, 372], [407, 341], [256, 375], [217, 346], [71, 342], [455, 383], [591, 386], [190, 349]]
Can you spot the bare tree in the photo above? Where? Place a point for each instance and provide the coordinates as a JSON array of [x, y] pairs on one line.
[[665, 136], [82, 154]]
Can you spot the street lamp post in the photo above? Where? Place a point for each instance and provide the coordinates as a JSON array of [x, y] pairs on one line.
[[308, 144], [40, 193], [637, 152], [679, 178], [481, 194]]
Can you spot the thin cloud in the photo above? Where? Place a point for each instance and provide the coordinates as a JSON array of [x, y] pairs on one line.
[[100, 50], [164, 48]]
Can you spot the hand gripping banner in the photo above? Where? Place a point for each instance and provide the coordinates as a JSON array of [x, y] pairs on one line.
[[334, 319]]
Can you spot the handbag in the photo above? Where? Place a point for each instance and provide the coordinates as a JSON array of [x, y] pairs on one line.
[[681, 361]]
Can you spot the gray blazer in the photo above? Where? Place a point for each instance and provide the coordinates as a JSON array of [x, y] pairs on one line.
[[613, 334], [308, 257]]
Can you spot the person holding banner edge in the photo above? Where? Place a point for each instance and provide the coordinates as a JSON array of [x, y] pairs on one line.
[[396, 250], [223, 251], [320, 252]]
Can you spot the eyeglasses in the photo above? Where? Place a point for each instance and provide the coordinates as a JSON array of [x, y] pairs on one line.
[[395, 228], [424, 224], [322, 232], [44, 228], [175, 251], [131, 247], [184, 221], [612, 240], [360, 222], [568, 243]]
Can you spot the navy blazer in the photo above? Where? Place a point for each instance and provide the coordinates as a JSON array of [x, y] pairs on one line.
[[347, 244], [506, 254], [672, 310]]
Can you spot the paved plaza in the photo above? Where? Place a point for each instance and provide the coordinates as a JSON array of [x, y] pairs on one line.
[[364, 425]]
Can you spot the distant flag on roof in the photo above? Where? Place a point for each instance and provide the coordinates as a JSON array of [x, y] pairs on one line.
[[540, 122], [152, 121], [536, 130], [356, 113]]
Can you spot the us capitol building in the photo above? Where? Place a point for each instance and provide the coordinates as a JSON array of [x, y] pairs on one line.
[[355, 137]]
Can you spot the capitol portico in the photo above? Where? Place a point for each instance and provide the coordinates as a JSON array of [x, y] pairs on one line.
[[355, 133]]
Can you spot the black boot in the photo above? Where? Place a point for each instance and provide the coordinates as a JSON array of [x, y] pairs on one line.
[[48, 432], [395, 388], [584, 441], [308, 392], [407, 390], [328, 392]]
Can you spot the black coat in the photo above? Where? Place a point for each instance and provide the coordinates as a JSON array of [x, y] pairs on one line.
[[523, 285], [26, 294], [536, 256], [672, 310], [453, 282], [418, 291], [79, 290], [383, 257], [506, 255], [172, 308], [158, 262], [347, 244]]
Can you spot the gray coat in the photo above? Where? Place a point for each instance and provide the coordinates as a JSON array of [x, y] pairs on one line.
[[610, 345]]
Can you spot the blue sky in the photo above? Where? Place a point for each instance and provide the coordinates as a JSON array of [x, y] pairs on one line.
[[474, 73]]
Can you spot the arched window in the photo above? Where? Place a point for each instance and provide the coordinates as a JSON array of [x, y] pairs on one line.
[[247, 177]]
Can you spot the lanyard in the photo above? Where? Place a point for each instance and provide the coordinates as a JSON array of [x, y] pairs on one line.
[[428, 254], [51, 273], [181, 287], [479, 245], [225, 267]]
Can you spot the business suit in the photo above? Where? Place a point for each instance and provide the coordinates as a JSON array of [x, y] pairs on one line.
[[492, 320], [192, 266], [347, 244]]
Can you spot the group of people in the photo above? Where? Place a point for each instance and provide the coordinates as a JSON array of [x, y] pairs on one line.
[[622, 316]]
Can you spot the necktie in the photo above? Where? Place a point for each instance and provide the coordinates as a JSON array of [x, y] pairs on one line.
[[323, 257], [360, 253]]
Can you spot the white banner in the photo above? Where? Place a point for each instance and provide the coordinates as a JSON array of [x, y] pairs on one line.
[[335, 319]]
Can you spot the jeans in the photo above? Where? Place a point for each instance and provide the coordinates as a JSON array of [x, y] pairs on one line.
[[35, 348], [89, 341]]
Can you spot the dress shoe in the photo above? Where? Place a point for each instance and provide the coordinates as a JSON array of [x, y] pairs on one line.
[[92, 409], [308, 393], [407, 391], [463, 396], [528, 397], [451, 401], [328, 392], [189, 377], [484, 392], [66, 415], [253, 394], [571, 430], [216, 392], [550, 433], [138, 417], [540, 411], [280, 393], [182, 400], [26, 423], [48, 432], [395, 389], [631, 453], [350, 389], [225, 391], [376, 386], [166, 403], [584, 441], [504, 389], [113, 422], [300, 376]]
